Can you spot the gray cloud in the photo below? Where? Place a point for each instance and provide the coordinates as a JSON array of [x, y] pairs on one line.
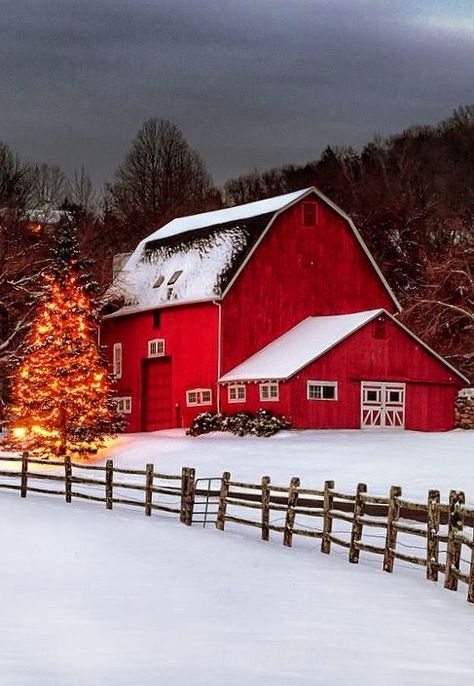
[[251, 83]]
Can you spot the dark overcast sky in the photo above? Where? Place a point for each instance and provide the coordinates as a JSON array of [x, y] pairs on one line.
[[252, 84]]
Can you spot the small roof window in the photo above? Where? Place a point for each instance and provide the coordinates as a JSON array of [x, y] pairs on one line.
[[159, 281], [174, 277]]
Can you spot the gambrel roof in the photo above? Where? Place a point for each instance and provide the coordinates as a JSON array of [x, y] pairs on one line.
[[308, 340], [197, 258]]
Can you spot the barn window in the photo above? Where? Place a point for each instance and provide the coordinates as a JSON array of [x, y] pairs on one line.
[[309, 213], [236, 393], [380, 328], [199, 396], [269, 392], [156, 319], [174, 277], [156, 347], [159, 281], [117, 360], [321, 390], [124, 405]]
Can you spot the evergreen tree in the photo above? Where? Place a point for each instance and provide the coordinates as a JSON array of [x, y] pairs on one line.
[[61, 389]]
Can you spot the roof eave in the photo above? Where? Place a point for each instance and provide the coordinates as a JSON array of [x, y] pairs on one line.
[[160, 306]]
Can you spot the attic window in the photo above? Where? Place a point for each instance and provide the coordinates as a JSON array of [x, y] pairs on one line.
[[174, 277], [309, 213], [159, 281]]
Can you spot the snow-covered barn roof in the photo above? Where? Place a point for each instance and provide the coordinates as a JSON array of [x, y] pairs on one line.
[[196, 258], [304, 343], [299, 346]]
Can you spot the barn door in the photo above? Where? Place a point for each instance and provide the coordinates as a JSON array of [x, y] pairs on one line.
[[156, 401], [382, 405]]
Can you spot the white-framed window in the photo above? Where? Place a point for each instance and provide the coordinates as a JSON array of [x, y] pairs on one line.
[[124, 405], [199, 396], [321, 390], [117, 360], [156, 347], [269, 392], [236, 393]]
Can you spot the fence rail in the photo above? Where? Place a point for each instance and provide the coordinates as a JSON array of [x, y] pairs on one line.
[[440, 526], [109, 489], [443, 529]]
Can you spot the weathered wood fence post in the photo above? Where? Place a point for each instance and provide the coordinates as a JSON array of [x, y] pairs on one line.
[[188, 475], [24, 475], [220, 521], [432, 533], [391, 537], [470, 586], [149, 469], [453, 552], [290, 511], [357, 526], [265, 508], [327, 521], [109, 484], [68, 479]]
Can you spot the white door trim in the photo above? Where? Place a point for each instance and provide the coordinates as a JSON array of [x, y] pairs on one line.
[[382, 405]]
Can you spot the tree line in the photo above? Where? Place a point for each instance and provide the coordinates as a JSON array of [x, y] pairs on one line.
[[411, 196]]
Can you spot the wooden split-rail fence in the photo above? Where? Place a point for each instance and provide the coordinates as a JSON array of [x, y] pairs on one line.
[[284, 510], [107, 484]]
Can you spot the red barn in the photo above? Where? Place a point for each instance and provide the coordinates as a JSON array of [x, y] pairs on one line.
[[275, 304]]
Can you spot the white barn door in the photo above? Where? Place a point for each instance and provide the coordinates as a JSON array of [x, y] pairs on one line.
[[382, 405]]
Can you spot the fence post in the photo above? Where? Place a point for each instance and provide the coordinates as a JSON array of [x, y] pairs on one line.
[[265, 508], [148, 489], [453, 551], [67, 479], [357, 526], [327, 522], [290, 511], [391, 537], [24, 475], [470, 587], [109, 484], [188, 476], [220, 522], [432, 532]]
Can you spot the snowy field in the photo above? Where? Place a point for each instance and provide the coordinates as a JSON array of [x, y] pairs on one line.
[[413, 460], [92, 596]]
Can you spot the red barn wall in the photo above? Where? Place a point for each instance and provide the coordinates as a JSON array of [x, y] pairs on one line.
[[430, 386], [190, 333], [297, 271]]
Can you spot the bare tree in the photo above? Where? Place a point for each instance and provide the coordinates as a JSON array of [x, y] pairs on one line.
[[80, 191], [47, 186], [160, 177]]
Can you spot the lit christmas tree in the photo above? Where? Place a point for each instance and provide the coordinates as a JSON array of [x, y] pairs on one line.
[[61, 391]]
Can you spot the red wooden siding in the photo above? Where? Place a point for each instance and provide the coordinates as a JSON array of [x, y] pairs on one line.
[[190, 333], [297, 271], [430, 386]]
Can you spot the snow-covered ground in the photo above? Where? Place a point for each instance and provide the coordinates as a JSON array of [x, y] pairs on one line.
[[413, 460], [116, 598]]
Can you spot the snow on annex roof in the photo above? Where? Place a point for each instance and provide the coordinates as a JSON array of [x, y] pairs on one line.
[[302, 344], [308, 340], [208, 260]]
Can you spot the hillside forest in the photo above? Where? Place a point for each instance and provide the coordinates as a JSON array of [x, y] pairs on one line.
[[411, 196]]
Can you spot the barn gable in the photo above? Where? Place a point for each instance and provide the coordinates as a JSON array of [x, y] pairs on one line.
[[308, 341], [198, 258]]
